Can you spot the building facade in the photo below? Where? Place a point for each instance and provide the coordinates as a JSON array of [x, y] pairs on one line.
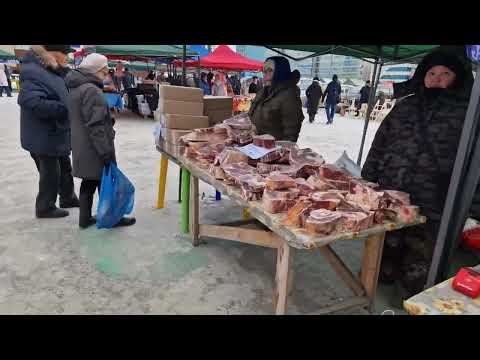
[[346, 67]]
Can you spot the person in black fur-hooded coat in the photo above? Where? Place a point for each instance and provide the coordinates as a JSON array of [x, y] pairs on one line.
[[414, 150]]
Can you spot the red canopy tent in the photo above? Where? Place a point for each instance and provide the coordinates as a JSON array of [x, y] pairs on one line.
[[224, 58], [80, 53]]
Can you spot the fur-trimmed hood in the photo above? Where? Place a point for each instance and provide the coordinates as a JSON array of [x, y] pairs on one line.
[[43, 57]]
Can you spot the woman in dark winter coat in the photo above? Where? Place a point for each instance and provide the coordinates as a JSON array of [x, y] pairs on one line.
[[414, 150], [277, 108], [92, 131], [45, 127], [314, 94]]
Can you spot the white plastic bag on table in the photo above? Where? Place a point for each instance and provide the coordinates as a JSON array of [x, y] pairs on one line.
[[349, 165]]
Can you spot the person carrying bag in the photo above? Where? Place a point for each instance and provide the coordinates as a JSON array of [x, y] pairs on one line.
[[92, 133]]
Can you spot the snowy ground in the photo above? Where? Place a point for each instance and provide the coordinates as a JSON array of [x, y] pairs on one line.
[[52, 267]]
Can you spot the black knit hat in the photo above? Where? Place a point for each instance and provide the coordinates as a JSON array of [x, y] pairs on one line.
[[316, 78], [66, 49]]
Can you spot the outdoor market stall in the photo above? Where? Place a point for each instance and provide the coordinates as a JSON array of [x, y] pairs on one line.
[[207, 152], [466, 172], [285, 239]]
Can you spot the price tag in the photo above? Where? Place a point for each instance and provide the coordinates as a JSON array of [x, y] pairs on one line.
[[255, 152]]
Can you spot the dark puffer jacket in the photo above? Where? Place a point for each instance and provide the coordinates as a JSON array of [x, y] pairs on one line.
[[332, 92], [415, 147], [314, 94], [278, 113], [44, 123], [92, 126], [277, 109]]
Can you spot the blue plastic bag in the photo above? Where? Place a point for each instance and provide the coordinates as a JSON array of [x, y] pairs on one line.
[[117, 196]]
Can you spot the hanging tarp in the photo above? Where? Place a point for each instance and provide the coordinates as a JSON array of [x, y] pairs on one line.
[[116, 52], [6, 56], [224, 58], [390, 53]]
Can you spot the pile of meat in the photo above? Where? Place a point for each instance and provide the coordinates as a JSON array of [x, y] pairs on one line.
[[319, 197]]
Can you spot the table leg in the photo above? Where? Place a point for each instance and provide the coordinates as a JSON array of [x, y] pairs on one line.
[[184, 227], [372, 257], [180, 186], [245, 214], [162, 181], [290, 273], [194, 211], [282, 278]]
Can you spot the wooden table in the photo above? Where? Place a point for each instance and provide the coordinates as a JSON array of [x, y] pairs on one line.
[[442, 300], [286, 240]]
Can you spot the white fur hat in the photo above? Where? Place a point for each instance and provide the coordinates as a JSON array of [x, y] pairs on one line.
[[94, 63]]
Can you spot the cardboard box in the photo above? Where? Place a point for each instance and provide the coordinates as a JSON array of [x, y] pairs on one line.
[[183, 122], [217, 108], [173, 135], [217, 116], [217, 103], [180, 107], [180, 93], [172, 149]]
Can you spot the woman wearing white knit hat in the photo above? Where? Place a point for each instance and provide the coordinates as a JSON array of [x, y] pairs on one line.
[[92, 131]]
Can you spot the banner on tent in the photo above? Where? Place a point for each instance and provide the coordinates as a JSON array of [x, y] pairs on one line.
[[473, 52]]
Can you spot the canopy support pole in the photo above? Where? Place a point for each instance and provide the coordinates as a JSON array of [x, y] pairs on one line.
[[463, 184], [199, 72], [184, 69], [375, 78]]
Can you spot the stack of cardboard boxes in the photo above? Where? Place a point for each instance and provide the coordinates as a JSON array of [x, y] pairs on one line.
[[180, 110]]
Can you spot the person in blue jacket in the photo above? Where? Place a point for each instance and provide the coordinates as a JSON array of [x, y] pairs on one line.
[[45, 126], [204, 85], [332, 93]]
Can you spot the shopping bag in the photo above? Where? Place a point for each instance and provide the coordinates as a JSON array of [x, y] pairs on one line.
[[117, 196]]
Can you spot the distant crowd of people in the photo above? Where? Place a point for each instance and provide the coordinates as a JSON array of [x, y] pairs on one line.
[[220, 84]]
